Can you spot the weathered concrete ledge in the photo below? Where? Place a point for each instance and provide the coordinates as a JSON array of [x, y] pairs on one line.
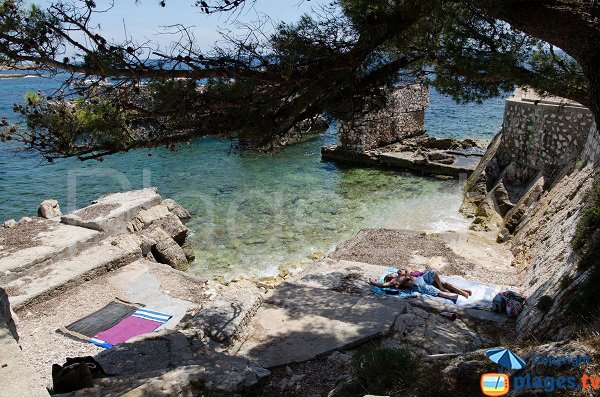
[[420, 154]]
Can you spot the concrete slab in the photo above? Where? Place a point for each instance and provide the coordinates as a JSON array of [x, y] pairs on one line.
[[29, 243], [16, 375], [111, 213], [408, 160], [48, 279], [224, 318], [299, 323], [153, 284], [339, 275], [141, 285]]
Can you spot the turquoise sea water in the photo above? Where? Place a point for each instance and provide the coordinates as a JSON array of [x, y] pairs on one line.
[[256, 211]]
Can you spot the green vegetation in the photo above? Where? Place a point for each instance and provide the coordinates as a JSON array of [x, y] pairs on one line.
[[338, 61], [586, 242], [393, 372], [580, 164]]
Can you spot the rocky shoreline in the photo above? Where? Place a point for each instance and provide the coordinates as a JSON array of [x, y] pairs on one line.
[[421, 154], [305, 334], [131, 246]]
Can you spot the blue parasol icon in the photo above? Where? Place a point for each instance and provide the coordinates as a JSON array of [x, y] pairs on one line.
[[505, 358]]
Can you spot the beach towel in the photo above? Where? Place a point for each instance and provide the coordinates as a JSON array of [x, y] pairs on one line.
[[142, 321], [481, 299], [100, 320], [116, 323]]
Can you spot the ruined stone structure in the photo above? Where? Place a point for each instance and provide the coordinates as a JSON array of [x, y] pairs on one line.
[[539, 137], [402, 118], [543, 133], [531, 187]]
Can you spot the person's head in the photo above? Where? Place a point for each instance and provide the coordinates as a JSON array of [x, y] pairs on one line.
[[389, 277]]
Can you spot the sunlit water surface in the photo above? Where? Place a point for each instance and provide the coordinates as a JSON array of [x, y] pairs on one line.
[[254, 212]]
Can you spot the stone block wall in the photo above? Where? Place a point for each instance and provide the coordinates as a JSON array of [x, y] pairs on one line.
[[543, 135], [534, 169], [591, 150], [404, 117]]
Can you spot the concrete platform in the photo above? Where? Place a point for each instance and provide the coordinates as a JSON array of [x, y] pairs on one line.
[[157, 286], [111, 213], [448, 162], [408, 160], [339, 275], [29, 243], [300, 323], [17, 378], [49, 279]]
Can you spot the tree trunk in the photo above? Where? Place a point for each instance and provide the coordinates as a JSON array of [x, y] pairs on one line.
[[572, 25]]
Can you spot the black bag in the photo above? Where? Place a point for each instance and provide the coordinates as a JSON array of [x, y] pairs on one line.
[[76, 373]]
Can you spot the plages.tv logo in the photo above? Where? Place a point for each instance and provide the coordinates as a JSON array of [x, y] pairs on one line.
[[498, 384]]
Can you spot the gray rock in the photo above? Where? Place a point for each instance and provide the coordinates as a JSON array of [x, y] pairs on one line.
[[224, 318], [25, 219], [173, 226], [502, 199], [6, 315], [339, 359], [165, 249], [189, 251], [177, 209], [49, 209], [503, 236], [9, 223]]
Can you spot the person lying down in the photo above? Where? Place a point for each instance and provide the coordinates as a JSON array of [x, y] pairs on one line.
[[428, 283]]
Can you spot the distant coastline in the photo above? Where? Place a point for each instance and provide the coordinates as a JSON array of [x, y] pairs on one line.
[[22, 68], [15, 75]]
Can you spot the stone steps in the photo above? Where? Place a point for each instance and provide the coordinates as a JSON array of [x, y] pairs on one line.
[[41, 240], [111, 214], [51, 278]]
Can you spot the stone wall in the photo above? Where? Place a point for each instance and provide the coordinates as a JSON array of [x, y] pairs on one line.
[[402, 118], [545, 134], [539, 137], [591, 150], [532, 186]]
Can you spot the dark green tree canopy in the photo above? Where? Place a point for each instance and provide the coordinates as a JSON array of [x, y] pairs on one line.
[[337, 61]]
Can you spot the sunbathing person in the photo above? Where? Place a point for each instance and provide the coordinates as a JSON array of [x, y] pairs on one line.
[[429, 283]]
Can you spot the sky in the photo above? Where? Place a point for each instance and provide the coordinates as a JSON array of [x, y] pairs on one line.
[[143, 20]]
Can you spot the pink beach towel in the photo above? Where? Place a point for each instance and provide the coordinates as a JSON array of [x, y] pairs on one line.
[[127, 329]]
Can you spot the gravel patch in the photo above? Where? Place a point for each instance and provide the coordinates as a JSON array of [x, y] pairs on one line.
[[22, 235], [314, 378], [95, 211], [396, 248], [41, 343]]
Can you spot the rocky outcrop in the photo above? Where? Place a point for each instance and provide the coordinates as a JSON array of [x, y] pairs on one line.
[[530, 188], [544, 258], [539, 138], [6, 316], [422, 154], [157, 223], [49, 209]]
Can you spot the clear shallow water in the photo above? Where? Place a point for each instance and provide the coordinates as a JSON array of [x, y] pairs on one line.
[[254, 212]]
